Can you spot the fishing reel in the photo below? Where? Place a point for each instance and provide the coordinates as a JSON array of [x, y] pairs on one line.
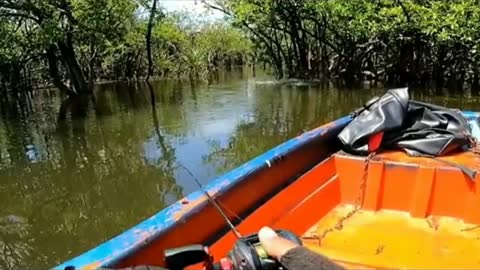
[[246, 254]]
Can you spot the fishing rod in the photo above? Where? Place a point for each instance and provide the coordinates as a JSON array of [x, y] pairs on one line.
[[213, 202], [246, 254]]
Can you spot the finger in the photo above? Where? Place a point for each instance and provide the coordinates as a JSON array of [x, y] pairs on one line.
[[275, 245]]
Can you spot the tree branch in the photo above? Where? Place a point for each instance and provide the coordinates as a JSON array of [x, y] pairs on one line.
[[216, 7], [19, 15], [405, 12]]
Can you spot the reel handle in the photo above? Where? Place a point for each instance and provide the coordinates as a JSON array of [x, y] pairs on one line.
[[246, 254]]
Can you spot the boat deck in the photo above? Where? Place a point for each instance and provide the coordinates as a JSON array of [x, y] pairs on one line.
[[415, 214], [395, 240], [411, 212]]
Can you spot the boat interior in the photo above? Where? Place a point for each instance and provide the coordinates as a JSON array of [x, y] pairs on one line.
[[389, 211], [383, 211]]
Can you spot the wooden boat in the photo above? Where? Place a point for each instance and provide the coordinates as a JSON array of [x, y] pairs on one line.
[[399, 212]]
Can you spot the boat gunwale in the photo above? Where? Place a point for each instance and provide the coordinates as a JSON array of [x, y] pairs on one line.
[[121, 246]]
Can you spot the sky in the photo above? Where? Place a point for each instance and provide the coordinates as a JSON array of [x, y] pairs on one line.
[[179, 5]]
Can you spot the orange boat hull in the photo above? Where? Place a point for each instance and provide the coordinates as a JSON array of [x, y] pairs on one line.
[[392, 212]]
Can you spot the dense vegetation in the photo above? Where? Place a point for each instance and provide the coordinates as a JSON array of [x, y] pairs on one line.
[[74, 43], [397, 41]]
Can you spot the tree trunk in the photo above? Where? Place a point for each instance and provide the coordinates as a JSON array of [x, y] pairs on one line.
[[53, 71], [476, 81], [74, 71], [149, 39], [91, 67]]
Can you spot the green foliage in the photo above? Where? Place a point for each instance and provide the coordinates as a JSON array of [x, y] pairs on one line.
[[183, 49], [222, 39], [400, 41], [104, 27], [11, 47], [108, 38], [100, 20]]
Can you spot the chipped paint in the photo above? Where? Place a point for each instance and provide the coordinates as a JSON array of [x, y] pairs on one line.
[[191, 205], [92, 266]]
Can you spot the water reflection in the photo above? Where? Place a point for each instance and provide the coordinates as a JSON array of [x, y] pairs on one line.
[[74, 173]]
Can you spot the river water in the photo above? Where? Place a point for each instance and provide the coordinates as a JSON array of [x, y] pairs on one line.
[[69, 183]]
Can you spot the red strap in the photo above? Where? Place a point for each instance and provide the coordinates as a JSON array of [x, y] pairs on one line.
[[375, 141]]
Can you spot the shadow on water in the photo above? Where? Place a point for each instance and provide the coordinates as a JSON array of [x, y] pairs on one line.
[[75, 173]]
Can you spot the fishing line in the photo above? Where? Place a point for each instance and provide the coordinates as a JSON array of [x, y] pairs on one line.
[[213, 202]]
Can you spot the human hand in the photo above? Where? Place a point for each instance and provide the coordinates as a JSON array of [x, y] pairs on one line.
[[291, 255], [274, 245]]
